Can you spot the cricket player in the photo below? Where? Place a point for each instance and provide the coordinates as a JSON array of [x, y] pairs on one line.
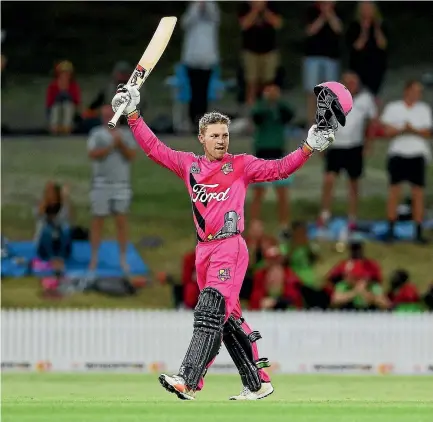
[[217, 183]]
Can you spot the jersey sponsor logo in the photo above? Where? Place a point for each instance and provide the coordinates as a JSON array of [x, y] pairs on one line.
[[227, 168], [200, 193], [224, 274], [195, 169]]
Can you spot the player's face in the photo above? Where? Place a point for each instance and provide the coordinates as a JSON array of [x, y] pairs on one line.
[[215, 141]]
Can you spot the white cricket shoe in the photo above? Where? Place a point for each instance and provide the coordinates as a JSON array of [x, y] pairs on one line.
[[246, 394], [176, 384]]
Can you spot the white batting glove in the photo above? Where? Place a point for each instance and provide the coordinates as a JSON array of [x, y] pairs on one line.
[[126, 94], [319, 140]]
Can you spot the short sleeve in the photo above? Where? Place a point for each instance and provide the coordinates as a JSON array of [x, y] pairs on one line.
[[371, 107], [95, 140], [129, 139], [388, 115], [428, 117]]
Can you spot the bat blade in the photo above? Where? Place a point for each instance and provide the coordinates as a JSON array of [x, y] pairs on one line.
[[150, 57]]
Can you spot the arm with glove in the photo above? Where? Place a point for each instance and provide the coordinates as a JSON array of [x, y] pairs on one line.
[[146, 139]]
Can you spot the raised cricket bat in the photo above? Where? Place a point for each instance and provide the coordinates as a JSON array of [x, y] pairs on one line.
[[150, 58]]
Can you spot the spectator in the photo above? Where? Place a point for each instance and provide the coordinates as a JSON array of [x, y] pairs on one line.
[[367, 39], [63, 99], [111, 152], [347, 152], [370, 267], [120, 75], [258, 243], [275, 287], [259, 21], [270, 115], [53, 235], [428, 298], [189, 281], [403, 294], [200, 52], [355, 292], [301, 256], [408, 123], [322, 50]]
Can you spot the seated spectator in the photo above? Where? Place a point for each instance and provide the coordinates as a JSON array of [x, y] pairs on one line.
[[403, 294], [53, 237], [275, 287], [63, 99], [190, 288], [371, 268], [355, 292], [258, 242], [301, 255]]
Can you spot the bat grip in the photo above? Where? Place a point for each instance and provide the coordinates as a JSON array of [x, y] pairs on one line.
[[112, 123]]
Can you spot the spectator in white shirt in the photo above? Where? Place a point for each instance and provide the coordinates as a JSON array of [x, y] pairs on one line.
[[408, 123], [348, 150], [200, 52]]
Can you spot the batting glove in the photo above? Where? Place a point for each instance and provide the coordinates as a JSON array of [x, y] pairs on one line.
[[126, 94], [319, 140]]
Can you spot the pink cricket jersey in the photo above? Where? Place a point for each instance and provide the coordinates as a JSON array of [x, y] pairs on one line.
[[217, 188]]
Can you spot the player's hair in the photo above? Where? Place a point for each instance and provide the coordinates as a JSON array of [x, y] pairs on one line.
[[210, 119]]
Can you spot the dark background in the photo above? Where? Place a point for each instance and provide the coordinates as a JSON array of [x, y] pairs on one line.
[[94, 35]]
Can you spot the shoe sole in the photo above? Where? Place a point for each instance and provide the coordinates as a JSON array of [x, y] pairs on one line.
[[171, 389], [258, 398]]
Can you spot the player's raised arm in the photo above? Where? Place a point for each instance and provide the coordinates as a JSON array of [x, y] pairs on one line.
[[258, 170], [146, 139]]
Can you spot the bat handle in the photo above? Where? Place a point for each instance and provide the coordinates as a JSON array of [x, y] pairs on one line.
[[113, 122]]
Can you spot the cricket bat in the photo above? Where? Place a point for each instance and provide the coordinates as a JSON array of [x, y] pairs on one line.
[[152, 54]]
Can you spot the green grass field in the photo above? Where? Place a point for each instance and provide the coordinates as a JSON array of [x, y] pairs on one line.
[[161, 208], [138, 398]]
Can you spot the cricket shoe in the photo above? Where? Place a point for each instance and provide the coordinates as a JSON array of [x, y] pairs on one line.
[[246, 394], [176, 384]]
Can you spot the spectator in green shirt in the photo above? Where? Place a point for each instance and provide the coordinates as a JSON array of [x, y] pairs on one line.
[[356, 293], [301, 256], [270, 115]]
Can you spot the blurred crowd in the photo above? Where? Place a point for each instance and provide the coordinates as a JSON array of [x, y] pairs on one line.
[[282, 275]]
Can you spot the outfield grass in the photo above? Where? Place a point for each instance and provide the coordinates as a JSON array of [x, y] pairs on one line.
[[161, 207], [138, 398]]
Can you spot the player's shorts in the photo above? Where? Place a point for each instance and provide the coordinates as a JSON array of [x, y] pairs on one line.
[[108, 200], [273, 154], [260, 68], [411, 170], [350, 160], [222, 264]]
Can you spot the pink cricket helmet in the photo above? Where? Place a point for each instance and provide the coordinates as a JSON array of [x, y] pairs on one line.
[[334, 97]]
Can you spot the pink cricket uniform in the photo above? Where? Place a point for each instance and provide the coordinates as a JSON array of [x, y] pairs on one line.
[[217, 190]]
